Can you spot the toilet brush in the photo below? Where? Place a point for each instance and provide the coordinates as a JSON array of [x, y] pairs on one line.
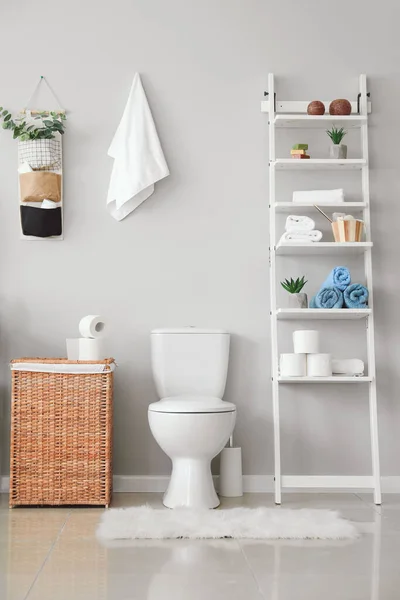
[[230, 477]]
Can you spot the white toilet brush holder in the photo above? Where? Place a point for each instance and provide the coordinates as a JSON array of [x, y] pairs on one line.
[[230, 477]]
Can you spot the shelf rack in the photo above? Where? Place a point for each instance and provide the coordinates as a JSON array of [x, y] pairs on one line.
[[293, 114]]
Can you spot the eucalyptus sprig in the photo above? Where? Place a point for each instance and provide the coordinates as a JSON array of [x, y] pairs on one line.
[[336, 134], [49, 124], [294, 287]]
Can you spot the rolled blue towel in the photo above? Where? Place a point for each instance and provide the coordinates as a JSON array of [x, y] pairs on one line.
[[356, 296], [339, 277], [327, 297]]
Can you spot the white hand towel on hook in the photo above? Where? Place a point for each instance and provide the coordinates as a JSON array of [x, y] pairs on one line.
[[138, 157]]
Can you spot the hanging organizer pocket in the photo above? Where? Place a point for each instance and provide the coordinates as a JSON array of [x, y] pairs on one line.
[[44, 155], [41, 222], [40, 168], [40, 185]]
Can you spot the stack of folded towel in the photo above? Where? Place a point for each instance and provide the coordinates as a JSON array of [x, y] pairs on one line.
[[337, 291], [300, 229]]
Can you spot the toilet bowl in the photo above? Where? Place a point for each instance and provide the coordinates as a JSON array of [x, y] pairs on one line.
[[191, 440], [191, 422]]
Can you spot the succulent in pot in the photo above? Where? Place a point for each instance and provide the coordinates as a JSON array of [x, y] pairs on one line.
[[296, 298], [337, 150]]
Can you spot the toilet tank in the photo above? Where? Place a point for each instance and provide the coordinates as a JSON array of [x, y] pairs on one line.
[[190, 361]]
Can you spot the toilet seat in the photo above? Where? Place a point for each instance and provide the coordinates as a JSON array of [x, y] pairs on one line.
[[191, 404]]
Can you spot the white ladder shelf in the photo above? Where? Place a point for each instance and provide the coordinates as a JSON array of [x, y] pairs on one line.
[[293, 114]]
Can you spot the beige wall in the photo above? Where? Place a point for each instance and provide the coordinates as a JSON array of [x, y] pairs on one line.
[[197, 251]]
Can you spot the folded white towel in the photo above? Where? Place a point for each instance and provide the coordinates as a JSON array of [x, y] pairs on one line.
[[138, 158], [347, 366], [298, 223], [318, 197], [301, 236]]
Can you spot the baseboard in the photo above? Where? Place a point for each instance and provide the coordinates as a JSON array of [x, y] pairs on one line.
[[251, 483], [265, 483]]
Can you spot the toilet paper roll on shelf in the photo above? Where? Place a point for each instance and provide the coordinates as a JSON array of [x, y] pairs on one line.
[[306, 341], [293, 365], [91, 326], [319, 365]]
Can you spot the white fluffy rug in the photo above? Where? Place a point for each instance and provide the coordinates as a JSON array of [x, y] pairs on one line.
[[144, 522]]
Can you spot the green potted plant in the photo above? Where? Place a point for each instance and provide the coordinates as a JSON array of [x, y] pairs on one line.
[[37, 136], [337, 150], [296, 298]]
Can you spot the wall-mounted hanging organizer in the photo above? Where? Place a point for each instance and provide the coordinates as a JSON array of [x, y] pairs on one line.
[[40, 169], [293, 114]]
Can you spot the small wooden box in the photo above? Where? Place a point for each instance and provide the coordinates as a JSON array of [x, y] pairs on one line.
[[61, 432]]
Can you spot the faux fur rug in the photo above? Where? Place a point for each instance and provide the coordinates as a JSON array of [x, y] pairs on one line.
[[144, 522]]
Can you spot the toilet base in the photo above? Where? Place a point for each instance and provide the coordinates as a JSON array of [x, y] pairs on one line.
[[191, 485]]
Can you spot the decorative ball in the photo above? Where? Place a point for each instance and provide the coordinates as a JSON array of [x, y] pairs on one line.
[[316, 107], [340, 107]]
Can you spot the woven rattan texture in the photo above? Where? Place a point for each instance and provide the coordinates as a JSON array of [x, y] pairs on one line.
[[61, 437]]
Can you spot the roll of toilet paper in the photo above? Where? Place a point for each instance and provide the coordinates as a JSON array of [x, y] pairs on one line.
[[319, 365], [230, 477], [306, 341], [90, 349], [91, 326], [72, 348], [292, 365]]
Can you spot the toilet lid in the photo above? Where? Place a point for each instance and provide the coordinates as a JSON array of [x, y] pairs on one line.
[[191, 404]]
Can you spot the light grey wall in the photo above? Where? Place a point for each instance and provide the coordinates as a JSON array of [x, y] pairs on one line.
[[197, 251]]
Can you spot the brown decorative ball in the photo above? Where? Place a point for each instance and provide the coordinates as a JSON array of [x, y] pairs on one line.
[[340, 107], [316, 107]]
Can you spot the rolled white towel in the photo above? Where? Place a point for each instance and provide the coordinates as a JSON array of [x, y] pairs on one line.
[[347, 366], [303, 237], [318, 196], [299, 223]]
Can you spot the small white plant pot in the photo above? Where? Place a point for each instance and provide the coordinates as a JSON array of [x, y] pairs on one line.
[[338, 151], [297, 300]]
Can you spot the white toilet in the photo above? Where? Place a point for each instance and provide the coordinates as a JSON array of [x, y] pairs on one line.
[[191, 422]]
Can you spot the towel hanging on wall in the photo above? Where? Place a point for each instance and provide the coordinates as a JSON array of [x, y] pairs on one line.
[[138, 157]]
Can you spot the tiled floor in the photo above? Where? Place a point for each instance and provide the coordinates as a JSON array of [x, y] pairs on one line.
[[52, 554]]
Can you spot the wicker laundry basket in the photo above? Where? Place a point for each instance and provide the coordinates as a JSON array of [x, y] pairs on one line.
[[61, 432]]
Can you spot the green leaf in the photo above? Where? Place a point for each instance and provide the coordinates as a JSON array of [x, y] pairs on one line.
[[4, 112], [5, 125], [48, 123], [7, 118]]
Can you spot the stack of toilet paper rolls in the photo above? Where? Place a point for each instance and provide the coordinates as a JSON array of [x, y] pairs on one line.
[[89, 346], [306, 361]]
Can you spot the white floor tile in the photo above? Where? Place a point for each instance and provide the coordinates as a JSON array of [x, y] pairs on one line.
[[158, 586], [56, 552]]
